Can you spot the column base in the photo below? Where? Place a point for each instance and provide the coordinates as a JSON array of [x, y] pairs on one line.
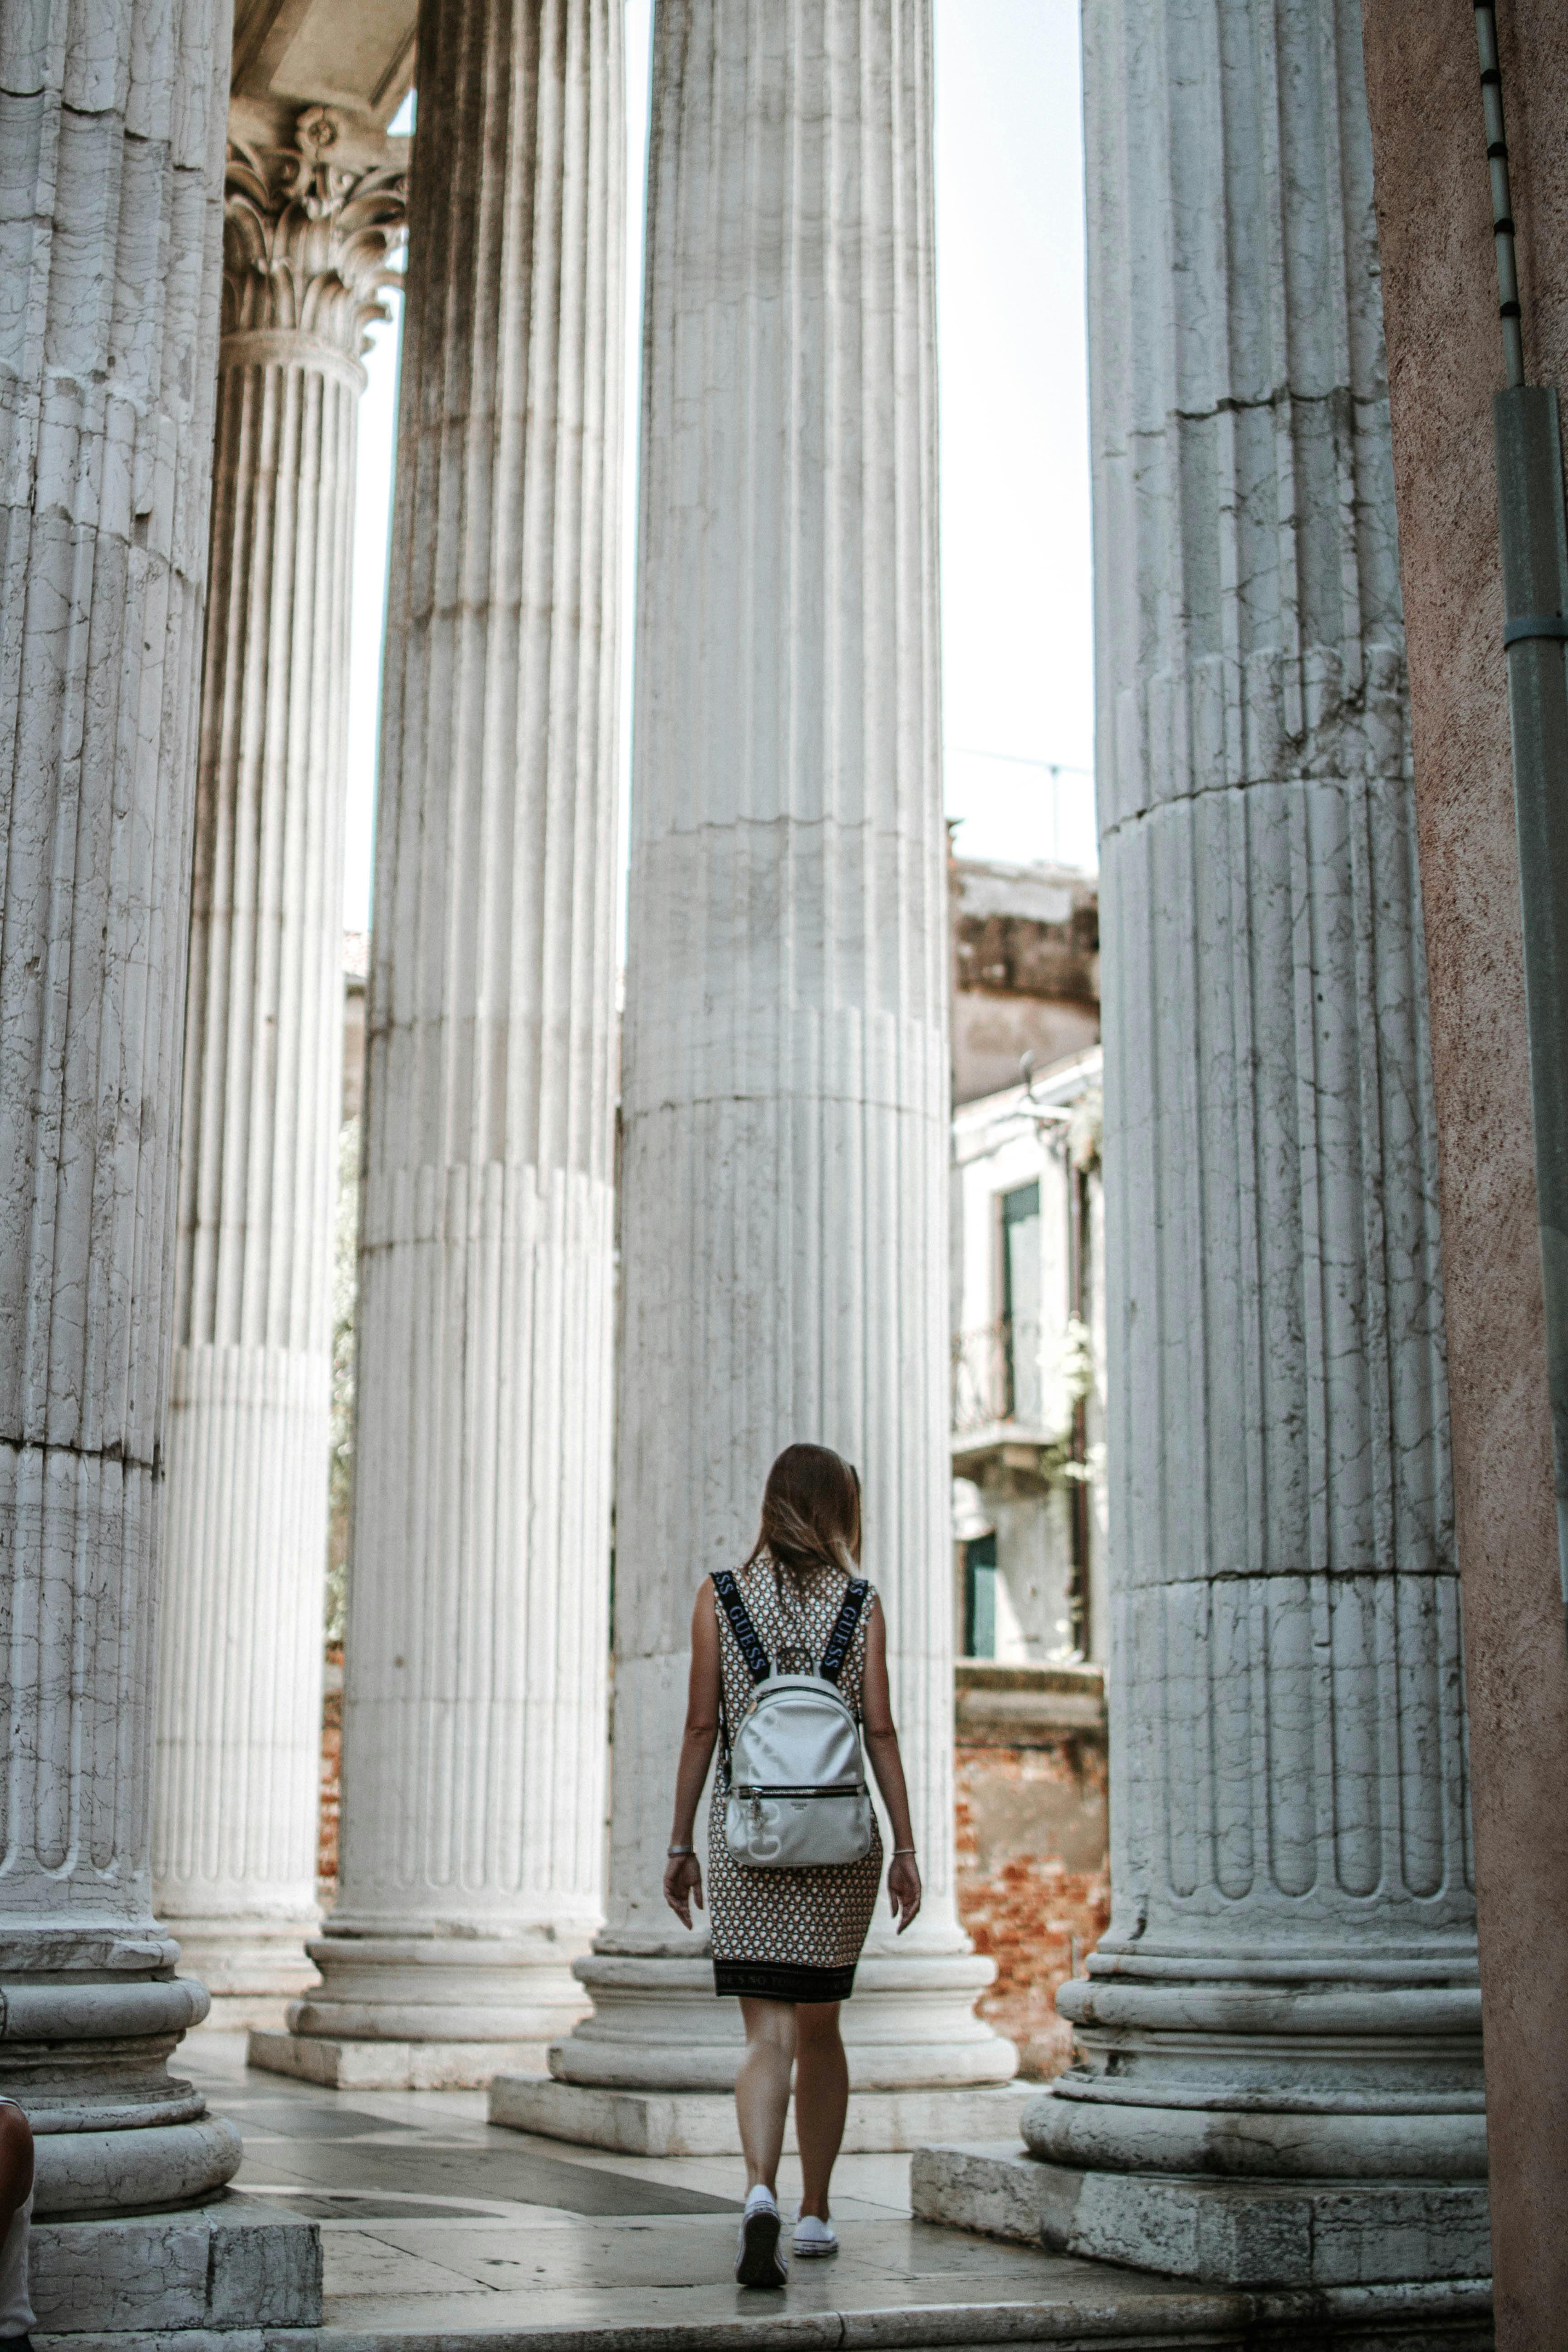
[[658, 2027], [87, 2055], [252, 1968], [1228, 2233], [702, 2123], [162, 2168], [426, 2013], [377, 2066], [239, 2013], [221, 2267]]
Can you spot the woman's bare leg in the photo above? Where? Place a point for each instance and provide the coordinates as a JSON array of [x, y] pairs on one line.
[[821, 2097], [761, 2087]]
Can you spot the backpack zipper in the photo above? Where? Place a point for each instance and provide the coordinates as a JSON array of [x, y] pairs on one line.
[[774, 1789]]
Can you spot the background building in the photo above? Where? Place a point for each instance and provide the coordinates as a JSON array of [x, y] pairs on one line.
[[1028, 1451], [1028, 1355]]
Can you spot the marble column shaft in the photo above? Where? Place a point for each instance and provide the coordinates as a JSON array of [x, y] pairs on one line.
[[476, 1654], [111, 211], [307, 240], [785, 1092], [1287, 1985]]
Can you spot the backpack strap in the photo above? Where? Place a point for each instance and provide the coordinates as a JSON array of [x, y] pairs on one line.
[[747, 1640], [843, 1632]]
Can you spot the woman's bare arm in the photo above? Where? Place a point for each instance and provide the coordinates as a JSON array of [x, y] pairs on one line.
[[683, 1873], [882, 1746]]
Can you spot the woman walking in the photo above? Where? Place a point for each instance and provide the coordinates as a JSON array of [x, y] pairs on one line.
[[795, 1616]]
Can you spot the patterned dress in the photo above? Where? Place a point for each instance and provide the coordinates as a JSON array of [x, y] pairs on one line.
[[786, 1935]]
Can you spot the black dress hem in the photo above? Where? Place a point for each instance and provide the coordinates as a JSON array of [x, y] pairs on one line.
[[781, 1980]]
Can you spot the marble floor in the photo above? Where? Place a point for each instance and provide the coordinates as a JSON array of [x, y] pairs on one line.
[[434, 2221], [442, 2232]]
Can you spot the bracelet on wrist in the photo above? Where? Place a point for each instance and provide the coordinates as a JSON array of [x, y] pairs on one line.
[[676, 1852], [902, 1849]]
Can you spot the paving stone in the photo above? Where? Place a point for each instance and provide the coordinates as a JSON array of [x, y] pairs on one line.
[[293, 2119], [479, 2172]]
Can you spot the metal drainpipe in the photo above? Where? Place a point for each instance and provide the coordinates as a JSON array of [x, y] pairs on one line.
[[1534, 545], [1079, 1630]]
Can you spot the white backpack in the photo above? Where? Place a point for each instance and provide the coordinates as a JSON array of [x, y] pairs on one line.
[[797, 1779]]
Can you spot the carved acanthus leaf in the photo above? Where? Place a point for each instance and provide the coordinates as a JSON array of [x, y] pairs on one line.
[[309, 242]]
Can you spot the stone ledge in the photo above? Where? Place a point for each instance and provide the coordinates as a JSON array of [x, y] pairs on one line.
[[1025, 1705], [191, 2339], [227, 2269], [1235, 2233], [1125, 2314], [702, 2123], [392, 2066]]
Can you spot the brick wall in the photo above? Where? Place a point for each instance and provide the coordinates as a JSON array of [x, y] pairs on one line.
[[1034, 1889]]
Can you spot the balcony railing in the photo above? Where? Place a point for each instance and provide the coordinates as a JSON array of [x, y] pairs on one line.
[[997, 1376]]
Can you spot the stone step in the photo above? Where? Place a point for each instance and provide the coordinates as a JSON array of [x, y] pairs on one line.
[[1119, 2315], [703, 2123], [1249, 2233], [229, 2271], [339, 2064]]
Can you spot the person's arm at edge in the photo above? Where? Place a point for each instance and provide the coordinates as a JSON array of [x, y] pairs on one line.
[[882, 1746], [683, 1873]]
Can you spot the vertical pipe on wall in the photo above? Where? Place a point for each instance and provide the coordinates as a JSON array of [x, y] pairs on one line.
[[1534, 549]]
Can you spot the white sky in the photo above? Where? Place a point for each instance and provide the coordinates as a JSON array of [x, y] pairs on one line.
[[1017, 650]]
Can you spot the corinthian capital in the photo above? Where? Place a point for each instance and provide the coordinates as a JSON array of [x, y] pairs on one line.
[[308, 239]]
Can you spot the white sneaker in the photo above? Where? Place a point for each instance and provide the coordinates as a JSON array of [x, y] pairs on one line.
[[758, 2261], [813, 2237]]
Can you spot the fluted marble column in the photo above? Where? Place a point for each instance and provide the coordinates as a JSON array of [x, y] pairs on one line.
[[110, 191], [1283, 2014], [785, 1091], [308, 230], [473, 1758]]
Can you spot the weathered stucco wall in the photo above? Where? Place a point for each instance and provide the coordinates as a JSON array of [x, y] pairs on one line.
[[1445, 363], [1026, 970], [1033, 1880]]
